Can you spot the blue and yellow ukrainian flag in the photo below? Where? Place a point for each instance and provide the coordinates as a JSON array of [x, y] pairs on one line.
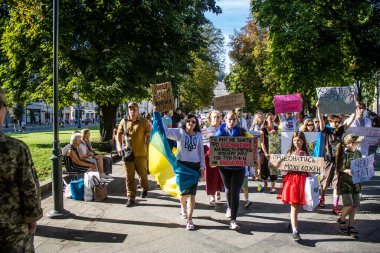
[[172, 177]]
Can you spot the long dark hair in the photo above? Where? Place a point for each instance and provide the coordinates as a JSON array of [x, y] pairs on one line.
[[197, 128], [303, 138]]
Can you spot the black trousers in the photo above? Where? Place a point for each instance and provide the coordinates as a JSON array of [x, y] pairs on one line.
[[233, 182]]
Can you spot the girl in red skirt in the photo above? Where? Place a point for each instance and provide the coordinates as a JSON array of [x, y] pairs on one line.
[[293, 191]]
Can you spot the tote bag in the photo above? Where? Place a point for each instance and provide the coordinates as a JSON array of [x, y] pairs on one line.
[[311, 193], [100, 189], [77, 188]]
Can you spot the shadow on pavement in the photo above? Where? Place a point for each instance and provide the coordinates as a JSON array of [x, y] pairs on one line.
[[79, 235]]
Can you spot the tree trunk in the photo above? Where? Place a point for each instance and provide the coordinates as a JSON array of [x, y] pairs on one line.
[[107, 121]]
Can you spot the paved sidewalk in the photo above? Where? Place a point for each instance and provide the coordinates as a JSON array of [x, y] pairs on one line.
[[154, 225]]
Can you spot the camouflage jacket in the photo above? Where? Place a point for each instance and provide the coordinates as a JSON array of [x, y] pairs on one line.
[[20, 195]]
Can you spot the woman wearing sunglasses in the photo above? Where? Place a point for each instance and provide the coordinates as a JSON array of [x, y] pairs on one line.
[[308, 125], [190, 154]]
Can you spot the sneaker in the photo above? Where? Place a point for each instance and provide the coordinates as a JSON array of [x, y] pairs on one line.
[[130, 203], [272, 190], [104, 176], [234, 225], [212, 201], [248, 203], [296, 236], [342, 227], [228, 213], [336, 211], [218, 196]]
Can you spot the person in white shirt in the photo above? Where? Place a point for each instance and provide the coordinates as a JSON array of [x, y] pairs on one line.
[[288, 122], [191, 154], [241, 121], [360, 120]]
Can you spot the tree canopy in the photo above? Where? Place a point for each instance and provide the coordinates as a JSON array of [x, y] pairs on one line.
[[109, 51]]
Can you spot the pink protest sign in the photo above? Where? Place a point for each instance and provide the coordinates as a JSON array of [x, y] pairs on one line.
[[287, 103]]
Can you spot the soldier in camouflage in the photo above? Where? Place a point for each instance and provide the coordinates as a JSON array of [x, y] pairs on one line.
[[20, 195]]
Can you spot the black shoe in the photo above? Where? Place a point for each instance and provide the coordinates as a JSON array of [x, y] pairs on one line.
[[296, 236], [143, 194], [130, 203]]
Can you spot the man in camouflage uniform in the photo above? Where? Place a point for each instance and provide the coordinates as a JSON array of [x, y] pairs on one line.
[[20, 196]]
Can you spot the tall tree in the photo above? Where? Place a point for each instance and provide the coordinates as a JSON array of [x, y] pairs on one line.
[[110, 51], [320, 43]]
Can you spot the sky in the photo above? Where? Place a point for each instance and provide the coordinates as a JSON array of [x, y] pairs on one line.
[[234, 15]]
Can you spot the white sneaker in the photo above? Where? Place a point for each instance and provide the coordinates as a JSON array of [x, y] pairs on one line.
[[228, 213], [212, 201], [104, 176], [234, 225]]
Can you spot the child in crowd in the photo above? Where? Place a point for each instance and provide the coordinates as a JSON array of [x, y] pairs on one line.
[[346, 188], [293, 191]]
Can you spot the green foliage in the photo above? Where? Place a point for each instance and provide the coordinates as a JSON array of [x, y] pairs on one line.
[[320, 43], [110, 51]]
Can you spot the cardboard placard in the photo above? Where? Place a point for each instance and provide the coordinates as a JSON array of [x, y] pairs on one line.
[[207, 132], [233, 151], [163, 98], [371, 137], [362, 169], [287, 103], [336, 100], [308, 164], [229, 102]]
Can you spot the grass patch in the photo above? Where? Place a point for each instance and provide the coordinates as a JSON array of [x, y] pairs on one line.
[[41, 144]]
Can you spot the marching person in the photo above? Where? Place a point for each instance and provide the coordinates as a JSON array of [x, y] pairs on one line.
[[329, 137], [214, 183], [349, 191], [233, 176], [20, 193], [136, 131], [190, 153]]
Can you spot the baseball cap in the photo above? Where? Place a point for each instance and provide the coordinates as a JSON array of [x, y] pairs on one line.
[[350, 138], [133, 104]]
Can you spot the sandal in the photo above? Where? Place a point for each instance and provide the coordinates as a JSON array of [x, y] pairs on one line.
[[189, 225], [183, 214], [322, 202], [352, 232], [342, 227]]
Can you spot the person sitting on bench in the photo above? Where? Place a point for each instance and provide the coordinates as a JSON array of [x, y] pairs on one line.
[[71, 156]]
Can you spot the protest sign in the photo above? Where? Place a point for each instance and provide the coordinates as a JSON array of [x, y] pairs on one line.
[[229, 102], [274, 143], [297, 163], [371, 137], [287, 103], [336, 100], [163, 96], [207, 132], [362, 169], [286, 141], [233, 151]]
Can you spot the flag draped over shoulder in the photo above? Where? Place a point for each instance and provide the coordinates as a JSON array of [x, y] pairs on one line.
[[172, 177], [320, 141]]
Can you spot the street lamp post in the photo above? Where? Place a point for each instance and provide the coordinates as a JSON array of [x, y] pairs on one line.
[[58, 210], [76, 97]]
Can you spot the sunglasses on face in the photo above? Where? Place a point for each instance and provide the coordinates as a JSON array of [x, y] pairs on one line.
[[316, 121], [310, 124]]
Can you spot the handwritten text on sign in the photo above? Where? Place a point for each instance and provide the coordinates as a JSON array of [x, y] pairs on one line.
[[336, 99], [298, 163], [163, 96], [233, 151], [362, 169], [229, 102], [287, 103]]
